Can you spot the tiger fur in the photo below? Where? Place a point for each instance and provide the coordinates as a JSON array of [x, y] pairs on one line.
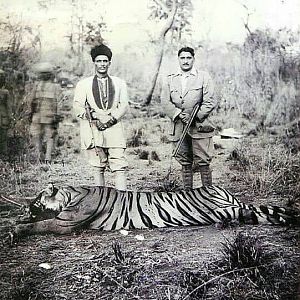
[[104, 208]]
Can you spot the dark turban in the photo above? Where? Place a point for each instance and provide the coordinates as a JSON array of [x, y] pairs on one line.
[[101, 50]]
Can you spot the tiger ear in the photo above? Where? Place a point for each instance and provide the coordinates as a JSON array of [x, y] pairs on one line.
[[49, 189]]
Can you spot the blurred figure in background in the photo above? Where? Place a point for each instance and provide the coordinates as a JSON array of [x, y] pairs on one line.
[[4, 115], [181, 91], [100, 101], [44, 112]]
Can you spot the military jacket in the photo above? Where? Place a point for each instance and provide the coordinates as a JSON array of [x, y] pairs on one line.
[[174, 101], [44, 102]]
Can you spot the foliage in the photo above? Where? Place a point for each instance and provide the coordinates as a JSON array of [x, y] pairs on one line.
[[182, 25], [20, 49], [93, 33], [137, 137], [268, 167], [247, 269], [243, 252], [265, 54], [20, 39]]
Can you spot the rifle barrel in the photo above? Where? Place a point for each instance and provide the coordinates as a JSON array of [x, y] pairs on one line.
[[10, 201], [186, 128], [188, 125]]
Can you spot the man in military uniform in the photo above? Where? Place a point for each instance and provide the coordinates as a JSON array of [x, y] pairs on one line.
[[181, 91], [100, 101], [45, 94], [4, 114]]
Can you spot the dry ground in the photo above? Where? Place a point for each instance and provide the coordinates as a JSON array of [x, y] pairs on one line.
[[148, 264]]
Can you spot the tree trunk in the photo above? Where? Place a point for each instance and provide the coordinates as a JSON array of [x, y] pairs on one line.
[[159, 57], [158, 61]]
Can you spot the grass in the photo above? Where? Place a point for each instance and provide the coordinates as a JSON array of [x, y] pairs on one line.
[[251, 264], [244, 252], [247, 269], [268, 167]]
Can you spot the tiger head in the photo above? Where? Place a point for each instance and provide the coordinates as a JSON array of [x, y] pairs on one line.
[[49, 199], [47, 204]]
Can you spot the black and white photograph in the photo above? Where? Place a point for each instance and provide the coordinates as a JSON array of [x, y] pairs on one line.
[[150, 150]]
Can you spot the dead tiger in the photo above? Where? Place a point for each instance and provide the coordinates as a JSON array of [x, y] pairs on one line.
[[104, 208]]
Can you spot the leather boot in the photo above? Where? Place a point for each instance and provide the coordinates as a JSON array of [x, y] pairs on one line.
[[187, 177], [99, 177], [120, 180], [206, 176]]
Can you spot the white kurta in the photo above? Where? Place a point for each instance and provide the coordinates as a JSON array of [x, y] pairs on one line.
[[113, 136]]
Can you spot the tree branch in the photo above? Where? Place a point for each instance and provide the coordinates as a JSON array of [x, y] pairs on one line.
[[163, 6], [162, 36], [222, 275], [170, 20]]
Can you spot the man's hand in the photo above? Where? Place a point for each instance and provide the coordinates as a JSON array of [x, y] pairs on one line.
[[108, 124], [184, 117], [97, 123]]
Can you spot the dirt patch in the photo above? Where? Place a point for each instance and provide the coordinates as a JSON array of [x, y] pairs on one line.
[[86, 266], [168, 263]]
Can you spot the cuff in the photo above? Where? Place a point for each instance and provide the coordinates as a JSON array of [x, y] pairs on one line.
[[176, 114], [81, 116]]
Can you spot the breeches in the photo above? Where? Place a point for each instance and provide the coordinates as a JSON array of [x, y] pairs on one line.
[[197, 151], [114, 158], [48, 131]]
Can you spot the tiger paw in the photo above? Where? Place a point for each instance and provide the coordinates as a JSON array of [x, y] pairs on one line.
[[22, 229]]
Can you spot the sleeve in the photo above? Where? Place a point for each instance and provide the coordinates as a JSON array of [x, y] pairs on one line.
[[28, 99], [79, 100], [209, 101], [58, 96], [169, 107], [123, 105]]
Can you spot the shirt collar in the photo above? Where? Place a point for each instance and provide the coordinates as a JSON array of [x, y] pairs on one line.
[[193, 72], [103, 78]]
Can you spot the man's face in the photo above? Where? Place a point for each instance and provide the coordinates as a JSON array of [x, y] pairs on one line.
[[102, 64], [186, 61]]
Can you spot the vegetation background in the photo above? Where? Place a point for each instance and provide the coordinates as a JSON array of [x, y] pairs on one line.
[[257, 84]]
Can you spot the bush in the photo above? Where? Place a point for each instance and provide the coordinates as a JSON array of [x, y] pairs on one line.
[[267, 167]]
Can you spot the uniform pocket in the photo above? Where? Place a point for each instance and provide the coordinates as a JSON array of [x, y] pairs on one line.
[[195, 88], [206, 126], [174, 91]]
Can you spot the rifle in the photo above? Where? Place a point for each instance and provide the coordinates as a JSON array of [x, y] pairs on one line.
[[88, 112], [188, 124], [90, 120], [10, 201]]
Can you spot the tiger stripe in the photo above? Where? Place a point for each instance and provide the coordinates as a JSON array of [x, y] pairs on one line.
[[104, 208]]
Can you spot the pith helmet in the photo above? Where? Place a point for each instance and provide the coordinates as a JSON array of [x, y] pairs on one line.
[[44, 67]]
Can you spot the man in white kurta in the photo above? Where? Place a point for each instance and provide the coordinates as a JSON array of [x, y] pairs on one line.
[[102, 138]]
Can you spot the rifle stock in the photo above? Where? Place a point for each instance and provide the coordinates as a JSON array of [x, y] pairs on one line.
[[90, 120], [88, 112]]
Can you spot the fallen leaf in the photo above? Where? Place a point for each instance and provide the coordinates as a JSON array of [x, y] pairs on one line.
[[45, 266], [139, 237], [124, 232]]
